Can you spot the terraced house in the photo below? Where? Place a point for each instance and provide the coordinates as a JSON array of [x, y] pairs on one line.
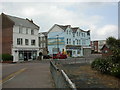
[[19, 38], [73, 40]]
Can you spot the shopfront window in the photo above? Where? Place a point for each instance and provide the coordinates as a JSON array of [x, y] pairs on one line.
[[21, 55]]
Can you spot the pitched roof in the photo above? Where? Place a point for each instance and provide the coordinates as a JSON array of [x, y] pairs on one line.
[[75, 29], [23, 22], [45, 33], [63, 27], [105, 45]]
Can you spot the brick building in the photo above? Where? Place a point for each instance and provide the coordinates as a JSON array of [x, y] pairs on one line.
[[97, 45]]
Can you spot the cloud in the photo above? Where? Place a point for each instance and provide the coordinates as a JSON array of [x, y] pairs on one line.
[[47, 14], [105, 32], [60, 1]]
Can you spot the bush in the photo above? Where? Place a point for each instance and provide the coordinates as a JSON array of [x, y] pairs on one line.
[[107, 66], [7, 57], [115, 70]]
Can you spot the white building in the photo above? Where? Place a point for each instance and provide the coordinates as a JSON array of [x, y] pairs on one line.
[[24, 40], [74, 41]]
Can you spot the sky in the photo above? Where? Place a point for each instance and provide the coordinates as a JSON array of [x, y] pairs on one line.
[[99, 17]]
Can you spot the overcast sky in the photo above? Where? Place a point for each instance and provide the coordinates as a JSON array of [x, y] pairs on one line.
[[99, 17]]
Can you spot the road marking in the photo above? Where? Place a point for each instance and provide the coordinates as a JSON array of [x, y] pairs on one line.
[[11, 76]]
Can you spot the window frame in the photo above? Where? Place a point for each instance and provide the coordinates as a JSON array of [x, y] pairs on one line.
[[33, 43]]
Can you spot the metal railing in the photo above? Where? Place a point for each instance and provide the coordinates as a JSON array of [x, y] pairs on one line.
[[60, 78]]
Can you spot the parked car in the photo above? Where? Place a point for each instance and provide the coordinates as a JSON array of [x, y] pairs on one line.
[[46, 57], [60, 56]]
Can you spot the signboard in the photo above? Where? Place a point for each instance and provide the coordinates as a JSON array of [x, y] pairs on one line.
[[55, 41]]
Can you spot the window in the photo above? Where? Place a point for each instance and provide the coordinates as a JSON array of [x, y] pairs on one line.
[[20, 29], [106, 51], [79, 42], [67, 40], [26, 41], [32, 32], [77, 33], [73, 42], [32, 42], [82, 35], [42, 38], [44, 45], [41, 45], [73, 34], [67, 31], [26, 30], [74, 52], [19, 41], [78, 52]]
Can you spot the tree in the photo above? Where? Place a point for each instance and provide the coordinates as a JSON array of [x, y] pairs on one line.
[[114, 45]]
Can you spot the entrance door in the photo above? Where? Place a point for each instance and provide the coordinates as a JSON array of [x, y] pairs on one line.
[[25, 56], [69, 53]]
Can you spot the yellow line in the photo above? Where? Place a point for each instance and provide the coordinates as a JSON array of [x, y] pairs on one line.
[[11, 75]]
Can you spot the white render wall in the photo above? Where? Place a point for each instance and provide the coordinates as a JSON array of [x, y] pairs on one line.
[[24, 36]]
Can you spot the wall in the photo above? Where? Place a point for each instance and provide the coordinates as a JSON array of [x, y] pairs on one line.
[[24, 36], [55, 31], [7, 34]]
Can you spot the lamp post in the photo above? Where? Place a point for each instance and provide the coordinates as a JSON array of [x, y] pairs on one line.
[[58, 43]]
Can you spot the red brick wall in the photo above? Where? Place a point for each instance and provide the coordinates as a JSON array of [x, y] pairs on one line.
[[7, 34], [96, 45], [7, 38]]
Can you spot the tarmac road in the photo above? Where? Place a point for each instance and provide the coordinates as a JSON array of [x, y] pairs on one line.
[[26, 75]]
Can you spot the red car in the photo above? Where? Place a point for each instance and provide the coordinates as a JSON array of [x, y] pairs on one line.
[[60, 56]]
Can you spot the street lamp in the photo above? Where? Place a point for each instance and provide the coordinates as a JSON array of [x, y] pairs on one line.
[[57, 43]]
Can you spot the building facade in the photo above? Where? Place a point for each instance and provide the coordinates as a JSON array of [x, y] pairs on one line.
[[19, 38], [43, 43], [74, 41], [97, 45]]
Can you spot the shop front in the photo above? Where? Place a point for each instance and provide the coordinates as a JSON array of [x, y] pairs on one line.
[[74, 50], [27, 55]]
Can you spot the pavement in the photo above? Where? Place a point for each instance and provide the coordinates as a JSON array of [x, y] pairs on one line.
[[34, 74]]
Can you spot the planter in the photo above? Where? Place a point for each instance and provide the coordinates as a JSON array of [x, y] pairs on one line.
[[8, 62]]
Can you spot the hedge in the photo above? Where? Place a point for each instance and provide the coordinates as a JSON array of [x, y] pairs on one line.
[[7, 57]]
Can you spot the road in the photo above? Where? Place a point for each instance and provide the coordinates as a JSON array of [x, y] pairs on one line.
[[33, 74]]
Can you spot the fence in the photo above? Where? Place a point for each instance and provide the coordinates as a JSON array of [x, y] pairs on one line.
[[60, 78], [72, 60]]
